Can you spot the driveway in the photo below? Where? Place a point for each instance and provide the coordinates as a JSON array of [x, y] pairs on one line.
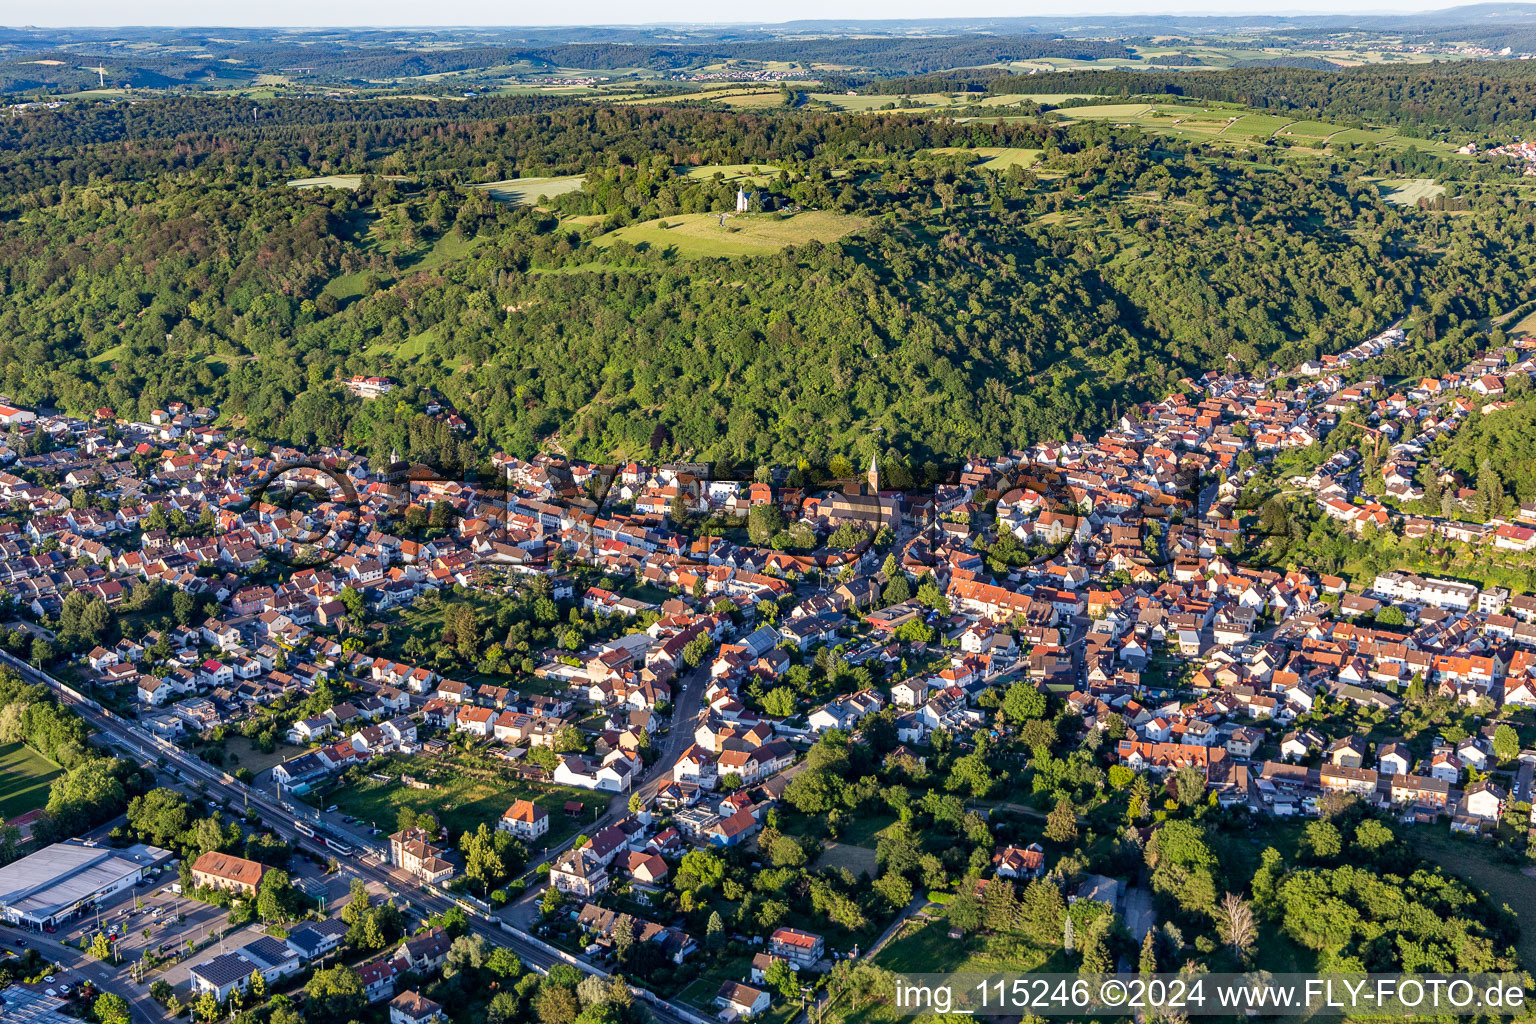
[[1136, 910]]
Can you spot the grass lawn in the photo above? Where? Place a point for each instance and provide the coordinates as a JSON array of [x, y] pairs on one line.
[[526, 191], [925, 946], [115, 352], [460, 802], [700, 236], [995, 158], [351, 182], [1472, 859], [700, 992], [859, 860], [1526, 325], [249, 757], [25, 776], [758, 174], [1008, 157], [414, 347], [346, 286], [1408, 191], [445, 249], [865, 829]]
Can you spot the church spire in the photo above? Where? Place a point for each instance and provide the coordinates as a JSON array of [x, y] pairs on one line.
[[874, 474]]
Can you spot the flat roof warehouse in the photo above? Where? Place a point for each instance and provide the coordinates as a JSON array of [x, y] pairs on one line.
[[42, 889]]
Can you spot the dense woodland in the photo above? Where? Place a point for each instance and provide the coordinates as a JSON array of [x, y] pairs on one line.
[[1498, 97], [155, 252], [975, 309], [49, 70]]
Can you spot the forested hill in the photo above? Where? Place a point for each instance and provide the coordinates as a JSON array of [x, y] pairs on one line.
[[966, 306], [328, 61], [1470, 95]]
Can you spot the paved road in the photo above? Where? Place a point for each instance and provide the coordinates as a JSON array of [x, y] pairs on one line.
[[685, 711], [281, 822], [104, 976]]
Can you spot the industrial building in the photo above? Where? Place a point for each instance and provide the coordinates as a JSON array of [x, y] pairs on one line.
[[25, 1004], [68, 878]]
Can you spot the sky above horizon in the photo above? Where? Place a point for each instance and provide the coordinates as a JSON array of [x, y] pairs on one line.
[[393, 13]]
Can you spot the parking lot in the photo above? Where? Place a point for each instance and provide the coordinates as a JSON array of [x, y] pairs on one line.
[[169, 919]]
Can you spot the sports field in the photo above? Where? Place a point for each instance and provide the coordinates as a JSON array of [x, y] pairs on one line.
[[700, 235], [25, 776]]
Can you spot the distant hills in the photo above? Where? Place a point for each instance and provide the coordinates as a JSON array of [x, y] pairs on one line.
[[60, 60]]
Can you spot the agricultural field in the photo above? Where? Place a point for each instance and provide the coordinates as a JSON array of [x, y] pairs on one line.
[[755, 100], [701, 235], [1236, 125], [1360, 136], [526, 191], [1193, 121], [350, 182], [1013, 99], [1258, 126], [864, 104], [1408, 191], [1311, 129], [746, 97], [461, 798], [25, 776], [1108, 112]]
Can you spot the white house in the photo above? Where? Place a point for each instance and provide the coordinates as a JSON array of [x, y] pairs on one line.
[[525, 819], [844, 712]]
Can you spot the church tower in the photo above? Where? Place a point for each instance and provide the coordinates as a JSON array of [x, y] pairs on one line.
[[874, 475]]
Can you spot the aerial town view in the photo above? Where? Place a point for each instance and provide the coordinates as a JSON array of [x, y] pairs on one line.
[[877, 513]]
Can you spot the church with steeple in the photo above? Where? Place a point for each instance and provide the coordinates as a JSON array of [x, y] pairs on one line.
[[863, 502]]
